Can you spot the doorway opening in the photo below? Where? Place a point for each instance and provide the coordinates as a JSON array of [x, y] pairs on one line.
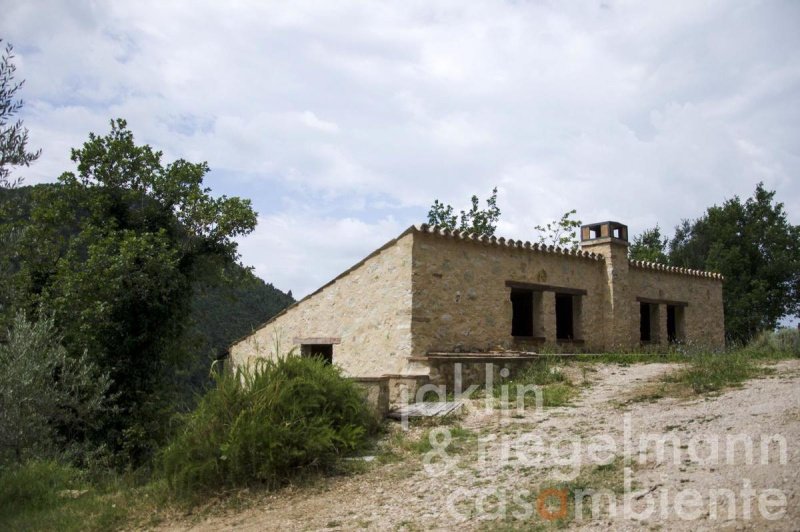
[[521, 313], [644, 323], [323, 351], [565, 317]]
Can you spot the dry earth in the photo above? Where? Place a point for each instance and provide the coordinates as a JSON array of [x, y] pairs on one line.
[[497, 477]]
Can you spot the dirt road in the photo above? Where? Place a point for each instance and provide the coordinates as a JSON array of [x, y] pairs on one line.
[[730, 461]]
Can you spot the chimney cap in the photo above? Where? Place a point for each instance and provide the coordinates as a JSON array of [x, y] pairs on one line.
[[609, 229]]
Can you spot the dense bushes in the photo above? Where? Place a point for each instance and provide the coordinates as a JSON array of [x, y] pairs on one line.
[[268, 424], [47, 399]]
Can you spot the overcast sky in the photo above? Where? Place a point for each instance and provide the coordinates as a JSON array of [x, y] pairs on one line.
[[342, 121]]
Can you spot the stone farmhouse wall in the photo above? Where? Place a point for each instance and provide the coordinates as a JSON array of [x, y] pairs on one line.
[[462, 295], [462, 301], [365, 313], [431, 290], [703, 318]]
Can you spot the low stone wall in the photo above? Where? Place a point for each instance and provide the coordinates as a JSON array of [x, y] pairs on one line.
[[403, 388], [377, 393], [475, 370]]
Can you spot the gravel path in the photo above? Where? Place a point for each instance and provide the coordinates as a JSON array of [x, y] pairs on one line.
[[499, 476]]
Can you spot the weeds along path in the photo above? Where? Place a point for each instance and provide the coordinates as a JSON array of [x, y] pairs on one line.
[[499, 462]]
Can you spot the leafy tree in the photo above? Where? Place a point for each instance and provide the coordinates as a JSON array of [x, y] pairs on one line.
[[475, 220], [42, 390], [112, 253], [649, 246], [755, 247], [562, 232], [13, 152], [227, 303], [13, 136]]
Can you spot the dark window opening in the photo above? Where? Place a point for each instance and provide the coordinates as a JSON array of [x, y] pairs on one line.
[[323, 351], [672, 330], [564, 317], [644, 322], [522, 313], [676, 327]]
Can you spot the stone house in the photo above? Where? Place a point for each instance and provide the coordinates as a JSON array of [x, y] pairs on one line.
[[434, 296]]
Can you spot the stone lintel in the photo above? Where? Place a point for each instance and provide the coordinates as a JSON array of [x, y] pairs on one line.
[[537, 287], [654, 301], [317, 340]]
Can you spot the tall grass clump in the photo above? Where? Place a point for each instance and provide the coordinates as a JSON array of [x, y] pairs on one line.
[[782, 343], [711, 372], [33, 486], [268, 424]]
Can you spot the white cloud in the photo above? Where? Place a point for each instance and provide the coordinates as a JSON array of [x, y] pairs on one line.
[[312, 121], [643, 113], [301, 252]]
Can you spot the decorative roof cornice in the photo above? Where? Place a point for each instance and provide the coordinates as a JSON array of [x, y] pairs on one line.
[[644, 265], [505, 243]]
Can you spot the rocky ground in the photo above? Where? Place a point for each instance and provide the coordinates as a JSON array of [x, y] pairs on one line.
[[510, 470]]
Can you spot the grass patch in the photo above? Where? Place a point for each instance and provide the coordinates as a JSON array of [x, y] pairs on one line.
[[48, 495], [546, 376], [654, 391], [605, 478], [625, 359], [714, 372], [402, 444]]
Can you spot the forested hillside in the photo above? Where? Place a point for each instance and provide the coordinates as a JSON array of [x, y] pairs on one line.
[[227, 303], [227, 308]]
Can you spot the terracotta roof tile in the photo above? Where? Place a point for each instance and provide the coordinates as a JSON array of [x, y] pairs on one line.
[[675, 269], [503, 242]]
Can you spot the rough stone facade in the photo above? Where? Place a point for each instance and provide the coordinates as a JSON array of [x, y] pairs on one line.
[[365, 314], [435, 293], [462, 301]]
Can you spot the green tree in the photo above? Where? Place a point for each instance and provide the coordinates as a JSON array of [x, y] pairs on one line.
[[755, 247], [475, 220], [13, 136], [13, 152], [562, 232], [111, 253], [649, 246], [46, 397]]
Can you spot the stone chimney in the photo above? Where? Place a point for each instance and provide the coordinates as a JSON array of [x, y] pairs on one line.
[[610, 239]]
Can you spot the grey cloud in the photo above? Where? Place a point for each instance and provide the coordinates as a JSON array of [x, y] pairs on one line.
[[644, 112]]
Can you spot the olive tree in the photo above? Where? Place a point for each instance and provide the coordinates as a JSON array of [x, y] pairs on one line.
[[47, 398]]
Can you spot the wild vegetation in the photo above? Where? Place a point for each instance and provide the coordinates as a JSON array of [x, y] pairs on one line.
[[551, 383], [267, 425], [120, 286], [43, 416], [753, 244], [475, 220]]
